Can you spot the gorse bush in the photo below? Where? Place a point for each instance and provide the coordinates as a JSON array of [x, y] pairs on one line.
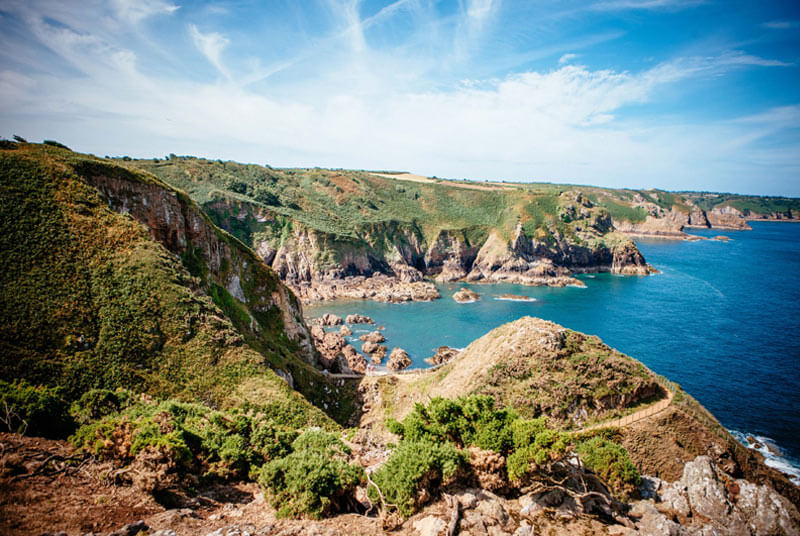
[[434, 434], [611, 462], [199, 439], [471, 421], [314, 480], [33, 409], [415, 466], [98, 403]]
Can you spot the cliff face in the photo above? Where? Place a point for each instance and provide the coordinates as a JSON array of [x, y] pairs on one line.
[[145, 292], [387, 261], [174, 221]]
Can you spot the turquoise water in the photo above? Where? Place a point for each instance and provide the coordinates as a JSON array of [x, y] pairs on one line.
[[722, 319]]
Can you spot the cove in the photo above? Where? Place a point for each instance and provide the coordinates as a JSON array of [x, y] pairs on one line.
[[722, 319]]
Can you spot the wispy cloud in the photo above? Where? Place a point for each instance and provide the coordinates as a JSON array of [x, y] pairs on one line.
[[566, 58], [403, 86], [137, 10], [613, 5], [211, 45], [781, 24]]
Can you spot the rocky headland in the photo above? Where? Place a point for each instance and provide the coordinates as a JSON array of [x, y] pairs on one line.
[[158, 378]]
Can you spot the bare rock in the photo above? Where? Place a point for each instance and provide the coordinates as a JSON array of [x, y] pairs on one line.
[[704, 490], [444, 354], [375, 336], [398, 359], [344, 330], [354, 360], [329, 319], [466, 295], [358, 319], [430, 526]]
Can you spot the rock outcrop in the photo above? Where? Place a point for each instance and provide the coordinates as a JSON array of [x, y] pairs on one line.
[[374, 336], [707, 501], [465, 295], [358, 319], [444, 354], [398, 360]]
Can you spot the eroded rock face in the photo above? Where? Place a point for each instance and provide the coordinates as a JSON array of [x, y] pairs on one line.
[[705, 500], [727, 217], [182, 228], [398, 360]]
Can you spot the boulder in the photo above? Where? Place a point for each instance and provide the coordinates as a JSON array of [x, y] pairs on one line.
[[344, 330], [329, 319], [466, 295], [443, 355], [375, 337], [398, 359], [355, 361], [358, 319]]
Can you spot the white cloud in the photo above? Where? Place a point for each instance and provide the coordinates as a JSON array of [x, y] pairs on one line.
[[137, 10], [781, 24], [360, 107], [211, 45], [612, 5], [566, 58]]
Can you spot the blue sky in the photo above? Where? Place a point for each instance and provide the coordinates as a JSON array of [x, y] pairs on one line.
[[675, 94]]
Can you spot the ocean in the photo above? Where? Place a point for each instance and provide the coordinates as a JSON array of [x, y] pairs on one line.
[[722, 319]]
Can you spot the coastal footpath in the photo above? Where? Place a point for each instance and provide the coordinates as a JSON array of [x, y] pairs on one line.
[[158, 377]]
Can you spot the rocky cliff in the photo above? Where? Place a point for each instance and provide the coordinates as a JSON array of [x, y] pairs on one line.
[[145, 291], [394, 260]]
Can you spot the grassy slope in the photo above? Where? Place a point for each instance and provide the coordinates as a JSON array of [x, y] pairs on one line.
[[344, 203], [88, 299], [512, 364]]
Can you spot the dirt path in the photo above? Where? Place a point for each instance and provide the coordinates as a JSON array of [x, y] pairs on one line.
[[643, 413]]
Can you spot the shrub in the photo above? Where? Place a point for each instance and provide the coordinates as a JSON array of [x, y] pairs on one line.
[[34, 409], [465, 421], [534, 445], [215, 444], [54, 143], [610, 462], [313, 481], [415, 466], [98, 403]]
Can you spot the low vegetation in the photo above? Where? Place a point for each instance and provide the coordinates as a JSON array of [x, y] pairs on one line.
[[435, 438]]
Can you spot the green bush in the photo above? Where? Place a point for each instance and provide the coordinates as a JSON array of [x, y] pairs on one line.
[[412, 467], [34, 409], [465, 421], [98, 403], [215, 444], [610, 462], [313, 481]]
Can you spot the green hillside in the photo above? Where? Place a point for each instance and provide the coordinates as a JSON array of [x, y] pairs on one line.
[[89, 300]]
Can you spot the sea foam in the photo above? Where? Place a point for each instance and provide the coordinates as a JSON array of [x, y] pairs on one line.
[[777, 461]]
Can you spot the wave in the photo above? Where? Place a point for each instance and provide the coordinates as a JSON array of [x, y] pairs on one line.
[[774, 459], [500, 298]]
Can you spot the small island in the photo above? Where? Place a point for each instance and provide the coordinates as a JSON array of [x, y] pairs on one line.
[[465, 295]]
